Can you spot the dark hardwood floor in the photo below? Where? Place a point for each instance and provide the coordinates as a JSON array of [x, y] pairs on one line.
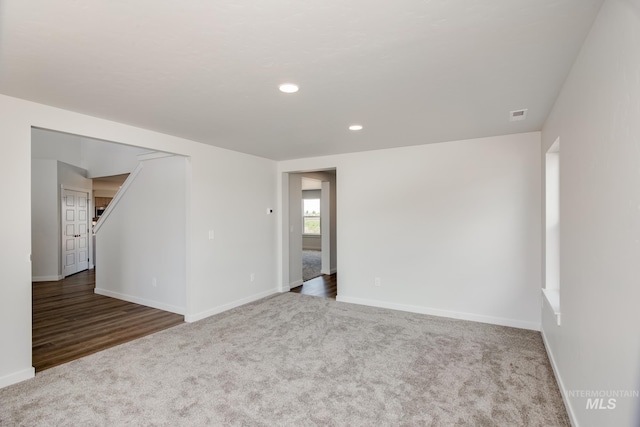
[[325, 286], [71, 321]]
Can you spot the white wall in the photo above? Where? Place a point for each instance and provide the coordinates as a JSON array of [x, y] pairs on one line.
[[97, 157], [597, 117], [312, 243], [73, 177], [46, 144], [141, 240], [450, 229], [101, 158], [45, 220], [230, 193], [15, 252]]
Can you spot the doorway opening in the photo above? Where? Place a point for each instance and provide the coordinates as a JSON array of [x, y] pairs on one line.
[[311, 228], [310, 203], [68, 208]]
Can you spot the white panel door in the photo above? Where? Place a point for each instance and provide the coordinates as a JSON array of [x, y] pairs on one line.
[[75, 232]]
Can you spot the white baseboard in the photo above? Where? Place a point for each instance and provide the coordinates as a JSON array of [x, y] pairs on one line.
[[565, 398], [46, 278], [295, 284], [221, 308], [17, 377], [443, 313], [142, 301], [333, 271]]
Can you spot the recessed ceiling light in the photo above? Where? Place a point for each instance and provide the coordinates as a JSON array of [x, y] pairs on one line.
[[355, 127], [288, 88]]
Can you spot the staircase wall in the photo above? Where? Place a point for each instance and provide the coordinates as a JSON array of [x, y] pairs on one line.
[[141, 238]]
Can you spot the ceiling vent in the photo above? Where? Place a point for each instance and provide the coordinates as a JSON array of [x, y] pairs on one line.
[[517, 115]]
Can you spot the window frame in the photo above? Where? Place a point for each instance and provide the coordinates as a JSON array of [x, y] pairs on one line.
[[318, 216]]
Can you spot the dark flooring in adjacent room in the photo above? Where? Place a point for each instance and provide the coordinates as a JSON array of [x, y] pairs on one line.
[[71, 321], [325, 286]]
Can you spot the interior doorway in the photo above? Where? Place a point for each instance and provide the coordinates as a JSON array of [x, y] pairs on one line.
[[312, 214], [69, 192], [311, 247]]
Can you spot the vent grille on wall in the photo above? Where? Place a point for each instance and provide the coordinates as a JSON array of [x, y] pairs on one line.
[[518, 115]]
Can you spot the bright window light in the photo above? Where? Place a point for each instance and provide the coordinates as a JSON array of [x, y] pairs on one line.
[[311, 216]]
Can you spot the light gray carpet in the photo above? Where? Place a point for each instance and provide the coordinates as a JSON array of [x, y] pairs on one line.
[[296, 360], [311, 264]]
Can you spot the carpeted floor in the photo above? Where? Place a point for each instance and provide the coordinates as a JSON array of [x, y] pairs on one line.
[[311, 264], [295, 360]]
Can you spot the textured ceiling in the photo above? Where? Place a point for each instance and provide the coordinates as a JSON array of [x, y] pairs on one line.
[[411, 71]]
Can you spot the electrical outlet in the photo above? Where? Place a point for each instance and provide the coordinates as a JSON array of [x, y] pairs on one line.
[[211, 235], [377, 282], [154, 282], [252, 277]]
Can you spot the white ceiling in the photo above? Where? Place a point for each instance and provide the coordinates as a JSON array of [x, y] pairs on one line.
[[112, 183], [311, 184], [410, 71]]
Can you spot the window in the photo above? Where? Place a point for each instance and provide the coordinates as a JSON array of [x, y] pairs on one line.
[[311, 216]]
